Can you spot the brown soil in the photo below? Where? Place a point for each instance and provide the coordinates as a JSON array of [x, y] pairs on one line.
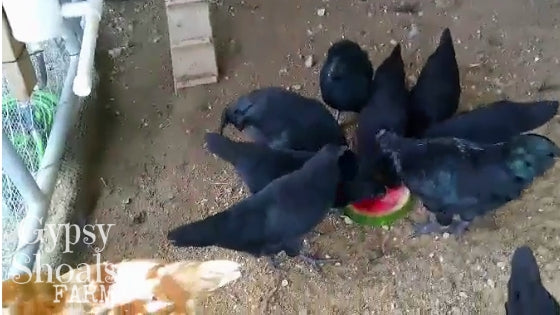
[[152, 172]]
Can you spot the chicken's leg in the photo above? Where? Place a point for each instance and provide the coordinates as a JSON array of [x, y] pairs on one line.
[[458, 227], [429, 227], [432, 226], [443, 224], [316, 263], [274, 261], [312, 260]]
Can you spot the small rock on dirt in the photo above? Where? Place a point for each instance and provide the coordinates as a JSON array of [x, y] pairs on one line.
[[296, 87], [444, 3], [157, 38], [543, 251], [347, 220], [550, 267], [413, 31], [115, 52], [321, 12], [140, 217], [284, 283], [309, 62]]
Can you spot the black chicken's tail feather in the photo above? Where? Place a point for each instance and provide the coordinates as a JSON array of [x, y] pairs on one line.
[[500, 121], [445, 45], [526, 294], [538, 113], [524, 264], [205, 232], [394, 61], [396, 53], [445, 37]]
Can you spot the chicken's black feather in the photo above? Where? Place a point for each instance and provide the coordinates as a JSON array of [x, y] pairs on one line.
[[526, 293], [435, 97], [496, 122], [284, 120], [275, 218], [258, 165]]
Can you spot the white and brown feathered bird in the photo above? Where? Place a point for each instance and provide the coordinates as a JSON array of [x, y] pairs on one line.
[[129, 287]]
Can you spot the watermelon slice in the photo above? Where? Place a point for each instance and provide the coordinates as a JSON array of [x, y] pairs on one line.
[[395, 204]]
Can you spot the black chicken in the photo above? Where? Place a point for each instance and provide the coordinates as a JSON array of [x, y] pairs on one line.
[[276, 218], [458, 177], [283, 120], [346, 77]]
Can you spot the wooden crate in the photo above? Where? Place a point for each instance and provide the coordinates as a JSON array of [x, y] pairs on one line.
[[191, 44]]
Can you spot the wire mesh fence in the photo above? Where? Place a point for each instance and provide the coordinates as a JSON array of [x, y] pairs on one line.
[[27, 125]]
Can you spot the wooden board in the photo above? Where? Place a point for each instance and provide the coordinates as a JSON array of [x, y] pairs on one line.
[[16, 64], [193, 55], [11, 48]]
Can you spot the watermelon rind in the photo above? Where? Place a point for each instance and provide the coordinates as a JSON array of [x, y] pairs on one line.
[[384, 220]]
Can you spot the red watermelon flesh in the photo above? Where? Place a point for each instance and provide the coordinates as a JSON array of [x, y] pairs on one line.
[[384, 210], [382, 204]]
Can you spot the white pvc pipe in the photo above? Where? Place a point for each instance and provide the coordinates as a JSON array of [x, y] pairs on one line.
[[15, 168], [39, 20], [78, 81], [65, 118], [91, 10]]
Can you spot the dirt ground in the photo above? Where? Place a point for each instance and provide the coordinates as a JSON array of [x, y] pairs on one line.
[[148, 170]]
